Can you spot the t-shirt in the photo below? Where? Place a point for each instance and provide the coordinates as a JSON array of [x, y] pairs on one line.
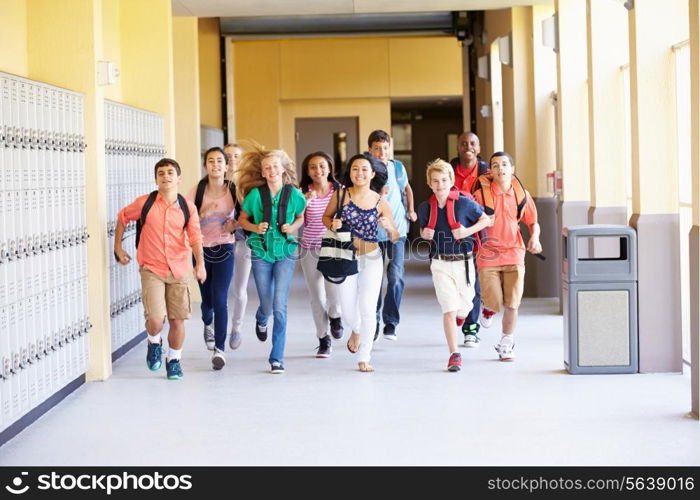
[[277, 245], [466, 213], [313, 230], [396, 182], [212, 225], [465, 177], [503, 244]]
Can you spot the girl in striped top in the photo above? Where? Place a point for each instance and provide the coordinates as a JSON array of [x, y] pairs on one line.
[[318, 186]]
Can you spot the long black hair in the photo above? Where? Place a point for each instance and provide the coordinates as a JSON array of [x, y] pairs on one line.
[[306, 178], [380, 172]]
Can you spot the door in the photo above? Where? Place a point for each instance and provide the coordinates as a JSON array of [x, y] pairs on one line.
[[338, 137]]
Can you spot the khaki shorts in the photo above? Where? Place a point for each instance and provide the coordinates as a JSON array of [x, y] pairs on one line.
[[502, 285], [164, 297], [450, 280]]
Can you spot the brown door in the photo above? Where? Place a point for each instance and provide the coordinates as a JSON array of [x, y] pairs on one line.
[[338, 137]]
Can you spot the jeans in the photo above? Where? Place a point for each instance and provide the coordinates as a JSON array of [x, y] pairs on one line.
[[273, 280], [218, 261], [392, 301], [473, 317]]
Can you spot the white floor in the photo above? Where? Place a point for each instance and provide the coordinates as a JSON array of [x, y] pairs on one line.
[[410, 412]]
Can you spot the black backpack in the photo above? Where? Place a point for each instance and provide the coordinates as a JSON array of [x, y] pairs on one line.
[[266, 198], [147, 206]]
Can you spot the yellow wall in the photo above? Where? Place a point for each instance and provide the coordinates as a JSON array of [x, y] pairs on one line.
[[13, 37], [147, 60], [111, 44], [210, 73], [278, 81], [186, 71]]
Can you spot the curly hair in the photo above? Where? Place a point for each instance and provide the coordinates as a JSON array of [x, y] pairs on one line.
[[249, 173], [306, 178]]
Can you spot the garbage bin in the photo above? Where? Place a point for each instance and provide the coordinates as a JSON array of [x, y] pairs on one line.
[[599, 293]]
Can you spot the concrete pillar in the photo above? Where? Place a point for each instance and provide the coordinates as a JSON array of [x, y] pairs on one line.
[[655, 196], [694, 262], [572, 113], [64, 43], [607, 51]]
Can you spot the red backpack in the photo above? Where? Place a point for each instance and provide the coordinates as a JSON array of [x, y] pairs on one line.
[[450, 211]]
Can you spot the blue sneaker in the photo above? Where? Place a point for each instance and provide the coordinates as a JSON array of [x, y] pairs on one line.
[[174, 369], [154, 356]]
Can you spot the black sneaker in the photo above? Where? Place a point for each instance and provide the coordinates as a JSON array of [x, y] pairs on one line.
[[336, 328], [376, 332], [261, 331], [324, 347], [470, 328], [389, 332]]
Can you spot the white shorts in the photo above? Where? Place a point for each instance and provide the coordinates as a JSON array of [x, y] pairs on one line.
[[450, 280]]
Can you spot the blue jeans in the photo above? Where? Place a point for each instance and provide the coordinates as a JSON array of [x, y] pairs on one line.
[[218, 261], [473, 317], [273, 279], [392, 301]]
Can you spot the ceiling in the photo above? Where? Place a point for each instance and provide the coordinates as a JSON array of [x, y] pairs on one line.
[[242, 8]]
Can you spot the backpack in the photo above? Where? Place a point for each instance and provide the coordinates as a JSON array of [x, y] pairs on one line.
[[337, 258], [483, 184], [202, 186], [147, 207], [266, 198], [400, 174]]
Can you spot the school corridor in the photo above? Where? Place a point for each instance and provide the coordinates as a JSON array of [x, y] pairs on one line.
[[596, 102]]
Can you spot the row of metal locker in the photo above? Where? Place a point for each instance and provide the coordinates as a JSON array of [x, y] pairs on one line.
[[133, 144], [44, 318]]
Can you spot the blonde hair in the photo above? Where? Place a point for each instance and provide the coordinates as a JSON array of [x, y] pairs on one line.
[[249, 172], [441, 166]]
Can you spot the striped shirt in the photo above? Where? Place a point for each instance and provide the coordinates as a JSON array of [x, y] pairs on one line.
[[313, 221]]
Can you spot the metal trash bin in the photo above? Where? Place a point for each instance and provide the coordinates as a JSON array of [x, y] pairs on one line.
[[600, 299]]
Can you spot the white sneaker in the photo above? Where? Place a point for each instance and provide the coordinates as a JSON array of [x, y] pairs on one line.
[[505, 348], [486, 317], [471, 340], [218, 361], [209, 337], [234, 341]]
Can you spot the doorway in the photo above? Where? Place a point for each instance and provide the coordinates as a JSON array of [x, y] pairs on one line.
[[335, 136]]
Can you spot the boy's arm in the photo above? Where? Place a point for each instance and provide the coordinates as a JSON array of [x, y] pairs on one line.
[[423, 216], [200, 273], [122, 257], [533, 244], [481, 223], [411, 214]]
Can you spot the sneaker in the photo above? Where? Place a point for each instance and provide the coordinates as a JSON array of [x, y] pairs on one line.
[[389, 332], [276, 367], [336, 328], [174, 369], [209, 337], [486, 317], [471, 340], [324, 347], [234, 341], [505, 349], [154, 356], [261, 331], [376, 332], [218, 361], [455, 362]]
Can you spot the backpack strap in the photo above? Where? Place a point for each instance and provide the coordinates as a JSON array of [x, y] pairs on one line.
[[432, 218], [199, 195], [520, 196], [144, 213], [284, 203], [484, 184], [185, 209], [450, 209]]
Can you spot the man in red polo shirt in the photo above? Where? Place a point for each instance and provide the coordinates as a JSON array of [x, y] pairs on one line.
[[468, 166], [164, 260]]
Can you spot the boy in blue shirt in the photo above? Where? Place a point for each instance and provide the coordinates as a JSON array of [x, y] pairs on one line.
[[448, 225]]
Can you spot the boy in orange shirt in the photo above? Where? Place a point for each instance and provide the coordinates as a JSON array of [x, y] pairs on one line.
[[164, 261], [501, 260]]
